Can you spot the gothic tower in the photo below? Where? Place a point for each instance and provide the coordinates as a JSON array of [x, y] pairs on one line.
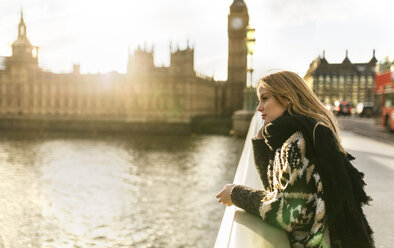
[[24, 59], [182, 61], [238, 21], [141, 62]]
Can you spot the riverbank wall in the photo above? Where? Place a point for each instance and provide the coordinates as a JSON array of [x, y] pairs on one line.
[[201, 125]]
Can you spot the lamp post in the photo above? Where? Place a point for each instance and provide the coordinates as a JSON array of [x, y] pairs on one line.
[[241, 118], [250, 44], [250, 101]]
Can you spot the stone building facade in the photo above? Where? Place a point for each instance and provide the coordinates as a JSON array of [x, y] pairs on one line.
[[146, 93], [353, 82]]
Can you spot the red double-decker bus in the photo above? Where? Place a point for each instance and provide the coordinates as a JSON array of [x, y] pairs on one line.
[[384, 93]]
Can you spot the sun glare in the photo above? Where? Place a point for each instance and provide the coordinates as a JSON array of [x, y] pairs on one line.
[[99, 37]]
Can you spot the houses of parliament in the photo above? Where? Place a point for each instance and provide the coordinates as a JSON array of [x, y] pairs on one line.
[[146, 93]]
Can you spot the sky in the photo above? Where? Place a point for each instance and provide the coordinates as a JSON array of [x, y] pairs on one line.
[[290, 34]]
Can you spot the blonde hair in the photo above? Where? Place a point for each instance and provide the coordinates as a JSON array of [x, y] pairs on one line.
[[302, 101]]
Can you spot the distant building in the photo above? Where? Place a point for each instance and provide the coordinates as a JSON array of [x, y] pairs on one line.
[[353, 82], [146, 93]]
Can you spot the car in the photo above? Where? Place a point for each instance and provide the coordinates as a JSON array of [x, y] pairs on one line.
[[365, 109], [344, 108]]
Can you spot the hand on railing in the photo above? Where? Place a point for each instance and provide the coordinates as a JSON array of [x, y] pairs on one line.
[[224, 196]]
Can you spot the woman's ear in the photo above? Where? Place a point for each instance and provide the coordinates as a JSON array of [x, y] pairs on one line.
[[284, 101]]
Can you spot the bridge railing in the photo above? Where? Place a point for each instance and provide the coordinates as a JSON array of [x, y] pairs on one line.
[[238, 228]]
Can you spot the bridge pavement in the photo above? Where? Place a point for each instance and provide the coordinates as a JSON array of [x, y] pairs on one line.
[[375, 157], [366, 127]]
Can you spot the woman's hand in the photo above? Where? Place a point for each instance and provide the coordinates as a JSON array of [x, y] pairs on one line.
[[224, 196]]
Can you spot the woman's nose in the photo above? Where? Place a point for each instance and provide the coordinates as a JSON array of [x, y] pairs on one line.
[[259, 107]]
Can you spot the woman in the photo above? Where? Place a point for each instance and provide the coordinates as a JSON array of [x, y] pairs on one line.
[[311, 190]]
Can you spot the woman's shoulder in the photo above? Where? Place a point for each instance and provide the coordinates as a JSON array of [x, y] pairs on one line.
[[314, 130], [323, 134]]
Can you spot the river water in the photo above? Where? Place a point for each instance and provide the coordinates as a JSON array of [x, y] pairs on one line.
[[62, 190]]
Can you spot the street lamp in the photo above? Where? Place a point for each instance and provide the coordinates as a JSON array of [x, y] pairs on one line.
[[250, 44], [241, 118], [250, 99]]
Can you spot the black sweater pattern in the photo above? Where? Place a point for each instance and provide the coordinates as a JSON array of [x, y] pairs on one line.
[[292, 195], [310, 188]]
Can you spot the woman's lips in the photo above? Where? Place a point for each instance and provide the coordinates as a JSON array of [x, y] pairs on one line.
[[263, 116]]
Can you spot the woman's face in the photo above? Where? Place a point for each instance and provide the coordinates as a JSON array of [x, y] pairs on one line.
[[269, 107]]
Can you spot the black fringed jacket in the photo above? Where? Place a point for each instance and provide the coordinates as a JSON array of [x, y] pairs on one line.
[[311, 190]]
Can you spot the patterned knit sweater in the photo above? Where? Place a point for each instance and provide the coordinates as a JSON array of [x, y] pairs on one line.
[[292, 198]]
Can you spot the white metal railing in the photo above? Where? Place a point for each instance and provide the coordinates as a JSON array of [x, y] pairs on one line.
[[240, 229]]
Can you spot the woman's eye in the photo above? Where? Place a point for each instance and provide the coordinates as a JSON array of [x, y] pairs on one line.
[[264, 98]]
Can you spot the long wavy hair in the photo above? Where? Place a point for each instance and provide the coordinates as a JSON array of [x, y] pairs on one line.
[[287, 86]]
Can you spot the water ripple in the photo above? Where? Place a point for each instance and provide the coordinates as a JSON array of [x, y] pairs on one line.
[[135, 191]]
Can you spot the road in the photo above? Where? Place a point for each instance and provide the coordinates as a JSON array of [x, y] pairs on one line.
[[366, 127], [374, 152]]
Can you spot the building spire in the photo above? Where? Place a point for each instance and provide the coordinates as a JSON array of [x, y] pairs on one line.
[[323, 59], [22, 48], [21, 27], [346, 60], [373, 59]]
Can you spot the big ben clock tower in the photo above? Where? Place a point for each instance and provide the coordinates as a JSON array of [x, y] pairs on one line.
[[238, 21]]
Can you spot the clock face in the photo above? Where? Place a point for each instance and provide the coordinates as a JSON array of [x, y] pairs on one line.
[[236, 23]]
